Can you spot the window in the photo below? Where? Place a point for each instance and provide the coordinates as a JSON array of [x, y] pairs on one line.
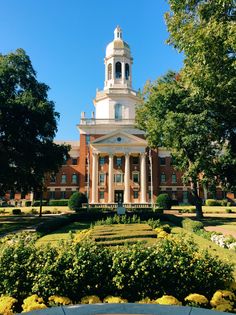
[[109, 72], [86, 161], [162, 161], [52, 178], [174, 195], [119, 178], [135, 194], [127, 71], [185, 196], [135, 160], [86, 178], [101, 194], [174, 179], [63, 195], [102, 179], [119, 161], [74, 161], [118, 70], [52, 195], [163, 178], [74, 179], [135, 177], [63, 179], [118, 111], [101, 160], [149, 178], [87, 139]]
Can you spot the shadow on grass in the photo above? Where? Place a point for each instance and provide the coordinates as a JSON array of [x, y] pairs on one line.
[[214, 221]]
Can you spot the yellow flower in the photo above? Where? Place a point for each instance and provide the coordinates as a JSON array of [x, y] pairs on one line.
[[222, 297], [7, 305], [114, 299], [168, 300], [90, 299], [162, 234], [59, 300], [32, 303], [196, 299], [146, 301], [224, 307], [158, 230]]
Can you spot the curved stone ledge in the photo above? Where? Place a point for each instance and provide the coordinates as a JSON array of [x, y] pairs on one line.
[[126, 308]]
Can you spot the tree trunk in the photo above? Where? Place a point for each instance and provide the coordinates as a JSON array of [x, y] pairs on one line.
[[197, 200], [41, 202]]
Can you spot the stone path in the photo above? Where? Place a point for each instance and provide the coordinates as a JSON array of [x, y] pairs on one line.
[[220, 229], [125, 309]]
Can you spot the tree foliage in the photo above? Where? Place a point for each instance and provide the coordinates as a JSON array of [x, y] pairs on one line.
[[28, 123], [193, 113]]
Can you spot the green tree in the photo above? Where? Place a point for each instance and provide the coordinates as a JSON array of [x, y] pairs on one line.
[[28, 123], [193, 113]]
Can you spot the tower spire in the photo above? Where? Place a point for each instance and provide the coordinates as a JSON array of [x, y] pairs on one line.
[[118, 32]]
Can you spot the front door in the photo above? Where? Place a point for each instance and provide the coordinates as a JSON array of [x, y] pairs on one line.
[[119, 196]]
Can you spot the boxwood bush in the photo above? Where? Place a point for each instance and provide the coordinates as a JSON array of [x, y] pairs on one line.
[[191, 225], [36, 203], [76, 200], [164, 201], [61, 202]]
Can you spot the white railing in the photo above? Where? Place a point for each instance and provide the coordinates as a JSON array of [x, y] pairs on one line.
[[94, 121]]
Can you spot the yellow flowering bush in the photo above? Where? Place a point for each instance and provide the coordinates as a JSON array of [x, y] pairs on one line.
[[59, 300], [114, 299], [82, 235], [32, 303], [7, 305], [223, 300], [168, 300], [158, 230], [196, 300], [146, 301], [90, 299], [162, 234]]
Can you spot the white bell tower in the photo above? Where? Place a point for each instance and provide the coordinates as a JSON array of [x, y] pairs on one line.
[[116, 103], [118, 63]]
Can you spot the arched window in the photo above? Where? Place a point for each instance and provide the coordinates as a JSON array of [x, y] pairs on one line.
[[126, 71], [118, 70], [109, 71], [118, 111]]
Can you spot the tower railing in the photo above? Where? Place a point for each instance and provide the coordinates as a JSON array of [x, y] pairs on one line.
[[95, 121]]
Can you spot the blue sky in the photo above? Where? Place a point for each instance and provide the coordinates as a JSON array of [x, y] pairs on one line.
[[66, 41]]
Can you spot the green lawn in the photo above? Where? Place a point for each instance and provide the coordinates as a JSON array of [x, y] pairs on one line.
[[63, 233], [207, 209]]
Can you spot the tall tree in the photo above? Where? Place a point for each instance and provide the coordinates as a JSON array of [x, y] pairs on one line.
[[194, 113], [28, 123]]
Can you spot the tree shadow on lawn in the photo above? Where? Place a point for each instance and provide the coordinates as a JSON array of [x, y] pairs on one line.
[[215, 221]]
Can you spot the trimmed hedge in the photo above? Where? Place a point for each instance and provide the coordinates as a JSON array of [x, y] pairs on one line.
[[164, 201], [28, 203], [36, 203], [61, 202], [213, 202], [76, 200], [16, 211], [191, 225]]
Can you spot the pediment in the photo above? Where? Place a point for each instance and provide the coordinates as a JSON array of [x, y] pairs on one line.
[[119, 138]]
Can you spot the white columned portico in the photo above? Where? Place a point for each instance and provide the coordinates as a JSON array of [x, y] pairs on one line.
[[127, 179], [95, 178], [110, 179], [143, 178]]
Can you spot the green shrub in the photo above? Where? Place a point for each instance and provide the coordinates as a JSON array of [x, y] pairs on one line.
[[228, 210], [212, 202], [191, 225], [76, 200], [164, 201], [36, 203], [61, 202], [16, 211], [28, 203]]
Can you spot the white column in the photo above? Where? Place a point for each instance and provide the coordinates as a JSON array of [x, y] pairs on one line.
[[110, 180], [95, 178], [143, 178], [127, 179]]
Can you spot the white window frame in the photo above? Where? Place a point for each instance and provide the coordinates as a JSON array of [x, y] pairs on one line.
[[104, 182]]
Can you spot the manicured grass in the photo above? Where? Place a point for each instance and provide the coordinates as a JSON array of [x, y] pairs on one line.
[[120, 234], [63, 233], [10, 224], [207, 209], [223, 253]]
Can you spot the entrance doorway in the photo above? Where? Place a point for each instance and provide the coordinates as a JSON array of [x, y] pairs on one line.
[[119, 196]]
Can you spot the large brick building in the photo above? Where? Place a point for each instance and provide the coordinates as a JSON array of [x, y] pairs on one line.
[[111, 162]]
